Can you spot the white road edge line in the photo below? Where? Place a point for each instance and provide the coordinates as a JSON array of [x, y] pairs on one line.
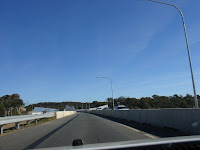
[[136, 130]]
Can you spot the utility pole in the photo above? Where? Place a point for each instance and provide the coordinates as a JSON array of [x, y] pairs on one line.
[[111, 89]]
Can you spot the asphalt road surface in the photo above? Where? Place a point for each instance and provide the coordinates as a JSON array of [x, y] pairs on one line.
[[90, 128]]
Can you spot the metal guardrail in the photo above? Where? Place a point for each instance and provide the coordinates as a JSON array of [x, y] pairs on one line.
[[13, 117], [21, 118]]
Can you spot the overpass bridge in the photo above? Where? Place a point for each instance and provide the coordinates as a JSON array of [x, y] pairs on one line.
[[91, 128]]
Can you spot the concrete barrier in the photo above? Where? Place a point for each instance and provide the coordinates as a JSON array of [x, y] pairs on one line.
[[61, 114], [186, 120]]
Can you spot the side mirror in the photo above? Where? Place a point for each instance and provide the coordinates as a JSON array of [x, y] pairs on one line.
[[77, 142]]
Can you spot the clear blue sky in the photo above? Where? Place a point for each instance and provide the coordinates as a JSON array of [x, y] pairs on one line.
[[52, 50]]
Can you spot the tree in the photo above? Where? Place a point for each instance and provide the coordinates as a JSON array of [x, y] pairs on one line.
[[144, 103], [110, 102], [121, 100], [132, 103], [1, 108], [11, 104], [189, 100]]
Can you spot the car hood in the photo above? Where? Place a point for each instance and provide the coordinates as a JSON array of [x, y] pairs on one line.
[[127, 144]]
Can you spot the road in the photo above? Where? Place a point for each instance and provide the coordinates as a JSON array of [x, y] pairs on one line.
[[90, 128]]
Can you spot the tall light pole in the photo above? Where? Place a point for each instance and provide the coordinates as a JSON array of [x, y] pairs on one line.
[[188, 50], [111, 89]]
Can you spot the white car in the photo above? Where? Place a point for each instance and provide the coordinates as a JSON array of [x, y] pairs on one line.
[[121, 107], [107, 108]]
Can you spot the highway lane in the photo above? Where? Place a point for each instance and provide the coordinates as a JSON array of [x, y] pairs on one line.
[[90, 128]]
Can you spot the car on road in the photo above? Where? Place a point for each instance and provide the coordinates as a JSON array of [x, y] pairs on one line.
[[121, 107], [107, 108]]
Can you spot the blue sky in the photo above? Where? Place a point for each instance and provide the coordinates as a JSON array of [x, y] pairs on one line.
[[53, 50]]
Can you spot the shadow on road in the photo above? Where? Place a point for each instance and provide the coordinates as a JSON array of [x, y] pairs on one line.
[[39, 141], [157, 131]]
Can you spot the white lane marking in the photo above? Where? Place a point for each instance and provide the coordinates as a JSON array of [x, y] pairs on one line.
[[136, 130], [151, 136]]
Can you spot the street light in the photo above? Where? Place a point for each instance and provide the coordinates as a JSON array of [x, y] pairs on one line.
[[111, 88], [188, 50]]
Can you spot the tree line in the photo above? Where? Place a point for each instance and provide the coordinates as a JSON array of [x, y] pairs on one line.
[[12, 104], [155, 102], [62, 105]]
